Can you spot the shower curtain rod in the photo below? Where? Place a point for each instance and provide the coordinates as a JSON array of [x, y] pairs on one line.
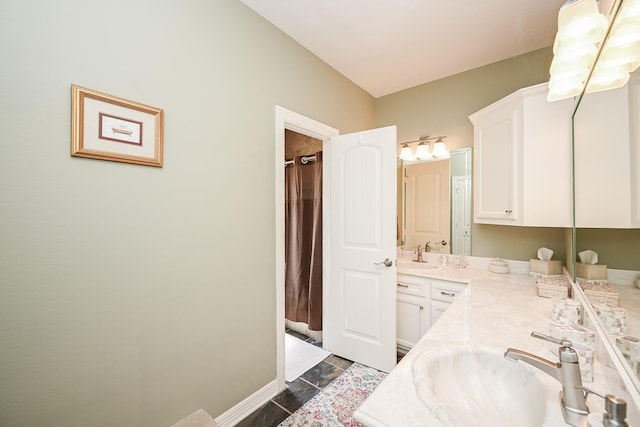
[[304, 160]]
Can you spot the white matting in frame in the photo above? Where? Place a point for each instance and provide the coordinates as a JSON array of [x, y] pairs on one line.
[[107, 127]]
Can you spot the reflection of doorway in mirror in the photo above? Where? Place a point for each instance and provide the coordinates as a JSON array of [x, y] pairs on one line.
[[427, 205], [461, 215]]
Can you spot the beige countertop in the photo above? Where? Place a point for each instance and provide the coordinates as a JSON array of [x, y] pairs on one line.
[[630, 301], [496, 310]]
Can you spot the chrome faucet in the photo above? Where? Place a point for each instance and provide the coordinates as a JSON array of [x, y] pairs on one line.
[[572, 397], [419, 255]]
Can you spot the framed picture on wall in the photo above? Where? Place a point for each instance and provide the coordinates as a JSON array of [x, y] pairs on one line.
[[106, 127]]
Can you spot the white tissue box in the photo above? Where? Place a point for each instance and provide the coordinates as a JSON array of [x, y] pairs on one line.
[[591, 271], [601, 293], [549, 268], [553, 287], [552, 291]]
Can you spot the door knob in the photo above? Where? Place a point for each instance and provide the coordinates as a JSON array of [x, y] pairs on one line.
[[387, 262]]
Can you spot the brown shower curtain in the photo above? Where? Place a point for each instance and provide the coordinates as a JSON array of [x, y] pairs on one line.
[[303, 242]]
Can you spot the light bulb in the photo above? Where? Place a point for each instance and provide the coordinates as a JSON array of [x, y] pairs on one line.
[[406, 153], [440, 149], [580, 28], [422, 151], [607, 78]]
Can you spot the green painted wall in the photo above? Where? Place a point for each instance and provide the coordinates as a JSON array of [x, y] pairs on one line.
[[617, 248], [125, 297], [132, 295], [443, 108]]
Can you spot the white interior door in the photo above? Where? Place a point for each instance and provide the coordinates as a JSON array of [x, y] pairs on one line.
[[360, 290], [461, 207]]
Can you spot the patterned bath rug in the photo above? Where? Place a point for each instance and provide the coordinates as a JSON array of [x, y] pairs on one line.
[[335, 404]]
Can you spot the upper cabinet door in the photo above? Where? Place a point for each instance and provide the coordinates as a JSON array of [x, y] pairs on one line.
[[522, 168], [496, 139], [607, 158]]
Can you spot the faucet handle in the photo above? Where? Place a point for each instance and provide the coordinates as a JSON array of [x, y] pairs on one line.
[[561, 342], [566, 353]]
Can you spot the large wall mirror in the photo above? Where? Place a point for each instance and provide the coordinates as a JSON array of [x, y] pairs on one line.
[[434, 204], [607, 203]]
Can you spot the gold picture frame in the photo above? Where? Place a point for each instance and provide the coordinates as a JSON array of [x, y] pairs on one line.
[[107, 127]]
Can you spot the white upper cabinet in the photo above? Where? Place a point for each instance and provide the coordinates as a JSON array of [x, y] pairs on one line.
[[522, 160], [607, 158]]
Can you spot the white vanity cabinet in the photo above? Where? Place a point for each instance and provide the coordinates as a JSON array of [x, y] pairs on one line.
[[420, 301], [412, 305], [443, 293], [522, 160], [607, 158]]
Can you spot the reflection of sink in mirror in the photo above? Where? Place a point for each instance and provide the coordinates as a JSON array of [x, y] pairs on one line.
[[464, 385], [412, 265]]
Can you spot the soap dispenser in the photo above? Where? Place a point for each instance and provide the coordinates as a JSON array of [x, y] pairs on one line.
[[615, 413]]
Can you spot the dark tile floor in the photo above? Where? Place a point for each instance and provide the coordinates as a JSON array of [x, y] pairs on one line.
[[299, 391]]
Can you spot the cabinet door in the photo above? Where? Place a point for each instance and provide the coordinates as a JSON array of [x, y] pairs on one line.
[[546, 176], [607, 158], [496, 138], [602, 166], [437, 309], [523, 160], [411, 320]]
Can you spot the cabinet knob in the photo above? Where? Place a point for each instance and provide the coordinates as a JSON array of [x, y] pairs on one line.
[[508, 211], [421, 308]]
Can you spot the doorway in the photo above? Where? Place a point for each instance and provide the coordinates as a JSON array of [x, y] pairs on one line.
[[359, 236], [289, 120], [303, 254]]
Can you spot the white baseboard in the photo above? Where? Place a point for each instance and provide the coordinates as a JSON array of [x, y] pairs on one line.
[[248, 405]]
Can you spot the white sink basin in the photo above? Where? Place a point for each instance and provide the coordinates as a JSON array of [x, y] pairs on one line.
[[464, 385]]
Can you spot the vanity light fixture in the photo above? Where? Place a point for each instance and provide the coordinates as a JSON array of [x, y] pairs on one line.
[[422, 151], [621, 50], [582, 29]]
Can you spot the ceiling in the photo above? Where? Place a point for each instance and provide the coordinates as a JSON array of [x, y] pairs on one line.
[[385, 46]]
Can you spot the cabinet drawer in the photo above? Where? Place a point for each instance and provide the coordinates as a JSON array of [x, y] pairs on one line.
[[445, 291], [410, 288]]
